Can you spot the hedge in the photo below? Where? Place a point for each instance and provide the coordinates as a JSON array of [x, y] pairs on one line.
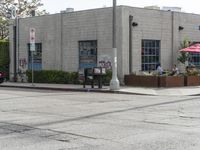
[[61, 77], [53, 76], [4, 56]]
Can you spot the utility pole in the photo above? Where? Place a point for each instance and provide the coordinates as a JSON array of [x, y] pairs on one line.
[[16, 38], [114, 83]]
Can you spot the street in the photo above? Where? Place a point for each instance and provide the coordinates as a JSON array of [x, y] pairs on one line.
[[58, 120]]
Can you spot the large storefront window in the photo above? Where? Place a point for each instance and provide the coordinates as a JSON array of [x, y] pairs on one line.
[[87, 54], [150, 54], [37, 57], [194, 59]]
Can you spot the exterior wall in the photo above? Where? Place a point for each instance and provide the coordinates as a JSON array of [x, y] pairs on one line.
[[49, 36], [60, 33], [191, 31], [48, 33], [86, 25], [152, 24], [157, 25]]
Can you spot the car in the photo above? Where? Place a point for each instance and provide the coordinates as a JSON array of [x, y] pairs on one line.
[[2, 76]]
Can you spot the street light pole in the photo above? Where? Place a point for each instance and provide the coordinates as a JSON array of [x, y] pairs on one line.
[[10, 12], [114, 83], [16, 45]]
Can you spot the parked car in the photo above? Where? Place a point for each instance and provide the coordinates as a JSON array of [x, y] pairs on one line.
[[2, 76]]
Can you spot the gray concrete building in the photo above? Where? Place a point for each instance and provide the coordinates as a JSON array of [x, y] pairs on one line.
[[70, 41]]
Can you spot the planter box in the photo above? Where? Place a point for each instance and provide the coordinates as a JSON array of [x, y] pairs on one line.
[[192, 80], [154, 81], [171, 81], [142, 81]]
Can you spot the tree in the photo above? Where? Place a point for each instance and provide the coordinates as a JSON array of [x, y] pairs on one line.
[[184, 56], [23, 8], [3, 28]]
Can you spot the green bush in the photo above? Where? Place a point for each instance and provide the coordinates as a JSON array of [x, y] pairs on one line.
[[61, 77], [107, 77], [53, 76], [4, 56]]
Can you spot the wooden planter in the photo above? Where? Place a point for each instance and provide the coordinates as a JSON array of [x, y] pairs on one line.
[[171, 81], [142, 81], [192, 80], [154, 81]]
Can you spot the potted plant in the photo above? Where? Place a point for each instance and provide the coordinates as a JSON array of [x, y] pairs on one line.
[[192, 77]]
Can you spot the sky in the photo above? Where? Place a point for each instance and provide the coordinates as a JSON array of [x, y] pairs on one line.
[[55, 6]]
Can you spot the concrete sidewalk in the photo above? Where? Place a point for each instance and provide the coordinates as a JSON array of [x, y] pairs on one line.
[[179, 91]]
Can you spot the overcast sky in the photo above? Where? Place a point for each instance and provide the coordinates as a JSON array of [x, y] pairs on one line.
[[54, 6]]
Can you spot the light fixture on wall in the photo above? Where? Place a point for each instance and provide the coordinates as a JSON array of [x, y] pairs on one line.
[[180, 28], [134, 24]]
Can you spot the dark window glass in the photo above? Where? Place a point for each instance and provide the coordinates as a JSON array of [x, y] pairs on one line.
[[87, 54], [37, 57], [194, 57], [150, 54]]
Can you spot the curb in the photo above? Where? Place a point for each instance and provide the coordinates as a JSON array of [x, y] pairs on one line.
[[76, 90]]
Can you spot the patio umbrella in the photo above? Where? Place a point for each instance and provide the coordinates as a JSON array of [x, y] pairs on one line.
[[193, 48]]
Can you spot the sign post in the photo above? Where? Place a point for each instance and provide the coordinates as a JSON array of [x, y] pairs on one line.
[[32, 49]]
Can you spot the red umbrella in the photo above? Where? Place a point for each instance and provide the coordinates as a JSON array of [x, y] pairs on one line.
[[193, 48]]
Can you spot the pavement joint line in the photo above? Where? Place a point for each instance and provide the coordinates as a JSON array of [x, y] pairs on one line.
[[166, 124], [115, 111], [9, 127]]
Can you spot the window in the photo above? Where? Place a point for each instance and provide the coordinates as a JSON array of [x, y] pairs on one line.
[[150, 54], [87, 54], [194, 58], [37, 57]]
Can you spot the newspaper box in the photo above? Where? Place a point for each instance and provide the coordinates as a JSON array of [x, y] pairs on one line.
[[93, 75]]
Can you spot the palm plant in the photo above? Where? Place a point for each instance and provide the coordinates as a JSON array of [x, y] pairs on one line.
[[184, 56]]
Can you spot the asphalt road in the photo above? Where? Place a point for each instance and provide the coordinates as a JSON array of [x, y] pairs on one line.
[[53, 120]]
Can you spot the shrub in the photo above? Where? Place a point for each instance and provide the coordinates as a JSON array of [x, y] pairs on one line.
[[61, 77], [53, 76], [192, 71], [107, 77], [4, 57]]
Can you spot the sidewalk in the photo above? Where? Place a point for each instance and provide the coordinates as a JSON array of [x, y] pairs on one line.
[[179, 91]]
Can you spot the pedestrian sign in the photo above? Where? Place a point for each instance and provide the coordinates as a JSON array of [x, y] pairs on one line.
[[32, 46], [32, 39]]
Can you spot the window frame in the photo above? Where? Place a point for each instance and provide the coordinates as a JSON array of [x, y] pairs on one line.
[[150, 54], [37, 57], [88, 50]]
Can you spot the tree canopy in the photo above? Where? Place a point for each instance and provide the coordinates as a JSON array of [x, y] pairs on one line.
[[21, 8]]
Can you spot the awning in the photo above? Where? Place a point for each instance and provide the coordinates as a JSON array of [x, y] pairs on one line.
[[193, 48]]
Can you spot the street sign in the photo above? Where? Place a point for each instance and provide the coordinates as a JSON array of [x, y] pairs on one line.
[[32, 35], [32, 46], [32, 49], [32, 39]]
